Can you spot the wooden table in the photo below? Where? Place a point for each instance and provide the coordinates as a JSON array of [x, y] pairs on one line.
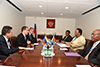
[[34, 59]]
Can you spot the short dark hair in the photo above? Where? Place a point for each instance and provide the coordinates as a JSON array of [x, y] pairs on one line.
[[80, 30], [6, 29], [31, 28], [23, 28], [68, 31]]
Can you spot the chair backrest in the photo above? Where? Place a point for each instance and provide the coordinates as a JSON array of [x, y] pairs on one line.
[[87, 42], [13, 41]]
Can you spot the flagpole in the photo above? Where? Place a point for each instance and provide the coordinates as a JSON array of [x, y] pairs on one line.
[[35, 29]]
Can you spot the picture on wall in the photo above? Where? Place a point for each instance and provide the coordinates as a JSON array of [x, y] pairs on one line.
[[50, 23]]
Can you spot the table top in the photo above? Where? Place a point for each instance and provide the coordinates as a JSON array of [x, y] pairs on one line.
[[33, 58]]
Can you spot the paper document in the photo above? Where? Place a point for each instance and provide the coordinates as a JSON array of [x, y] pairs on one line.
[[82, 66], [71, 54], [7, 66], [36, 43], [62, 45], [63, 49], [29, 48], [32, 44]]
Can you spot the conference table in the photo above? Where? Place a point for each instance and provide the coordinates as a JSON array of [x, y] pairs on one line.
[[33, 58]]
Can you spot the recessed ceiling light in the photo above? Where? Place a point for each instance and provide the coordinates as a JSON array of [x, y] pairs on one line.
[[66, 7], [40, 6], [42, 13], [61, 14]]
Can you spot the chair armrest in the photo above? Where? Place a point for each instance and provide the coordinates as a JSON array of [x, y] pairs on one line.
[[78, 50]]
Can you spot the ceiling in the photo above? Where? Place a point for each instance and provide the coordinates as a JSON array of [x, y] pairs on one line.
[[54, 8]]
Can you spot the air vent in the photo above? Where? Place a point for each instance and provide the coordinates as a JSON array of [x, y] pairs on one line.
[[14, 5], [91, 10]]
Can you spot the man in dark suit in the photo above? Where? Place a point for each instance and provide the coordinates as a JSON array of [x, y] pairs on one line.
[[92, 51], [30, 36], [5, 47], [22, 39], [67, 38]]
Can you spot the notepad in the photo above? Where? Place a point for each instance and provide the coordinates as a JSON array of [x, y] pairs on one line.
[[71, 54], [29, 48], [82, 66], [62, 45], [63, 49]]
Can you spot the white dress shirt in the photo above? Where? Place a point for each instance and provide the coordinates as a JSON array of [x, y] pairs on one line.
[[8, 43], [24, 36]]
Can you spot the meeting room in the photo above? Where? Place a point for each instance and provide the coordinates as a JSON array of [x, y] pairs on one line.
[[49, 33]]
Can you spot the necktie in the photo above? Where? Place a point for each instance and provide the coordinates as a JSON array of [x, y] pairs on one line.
[[65, 38], [86, 57], [30, 37], [25, 38], [8, 43]]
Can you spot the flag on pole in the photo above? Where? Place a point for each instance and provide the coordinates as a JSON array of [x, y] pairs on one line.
[[45, 40], [53, 41], [35, 31]]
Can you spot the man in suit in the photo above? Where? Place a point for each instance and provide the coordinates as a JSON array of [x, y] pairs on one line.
[[30, 36], [5, 47], [92, 51], [67, 38], [22, 39]]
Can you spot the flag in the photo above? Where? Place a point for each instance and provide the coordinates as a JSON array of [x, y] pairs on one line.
[[35, 31], [45, 40], [53, 41]]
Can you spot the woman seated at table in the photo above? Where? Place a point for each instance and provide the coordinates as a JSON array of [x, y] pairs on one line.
[[78, 41]]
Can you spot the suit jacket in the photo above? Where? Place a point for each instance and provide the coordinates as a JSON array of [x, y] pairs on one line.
[[32, 39], [4, 51], [20, 41], [68, 39], [94, 56]]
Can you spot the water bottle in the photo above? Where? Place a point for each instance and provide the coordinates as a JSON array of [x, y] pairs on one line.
[[49, 52], [51, 48], [46, 52]]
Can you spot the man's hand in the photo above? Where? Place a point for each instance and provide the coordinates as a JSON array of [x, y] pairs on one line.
[[22, 48], [68, 45], [38, 39], [29, 42], [62, 41]]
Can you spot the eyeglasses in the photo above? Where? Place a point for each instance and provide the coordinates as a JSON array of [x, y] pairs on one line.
[[95, 34]]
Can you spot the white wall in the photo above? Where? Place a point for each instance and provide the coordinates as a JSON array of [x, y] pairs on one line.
[[89, 22], [61, 25], [10, 16]]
